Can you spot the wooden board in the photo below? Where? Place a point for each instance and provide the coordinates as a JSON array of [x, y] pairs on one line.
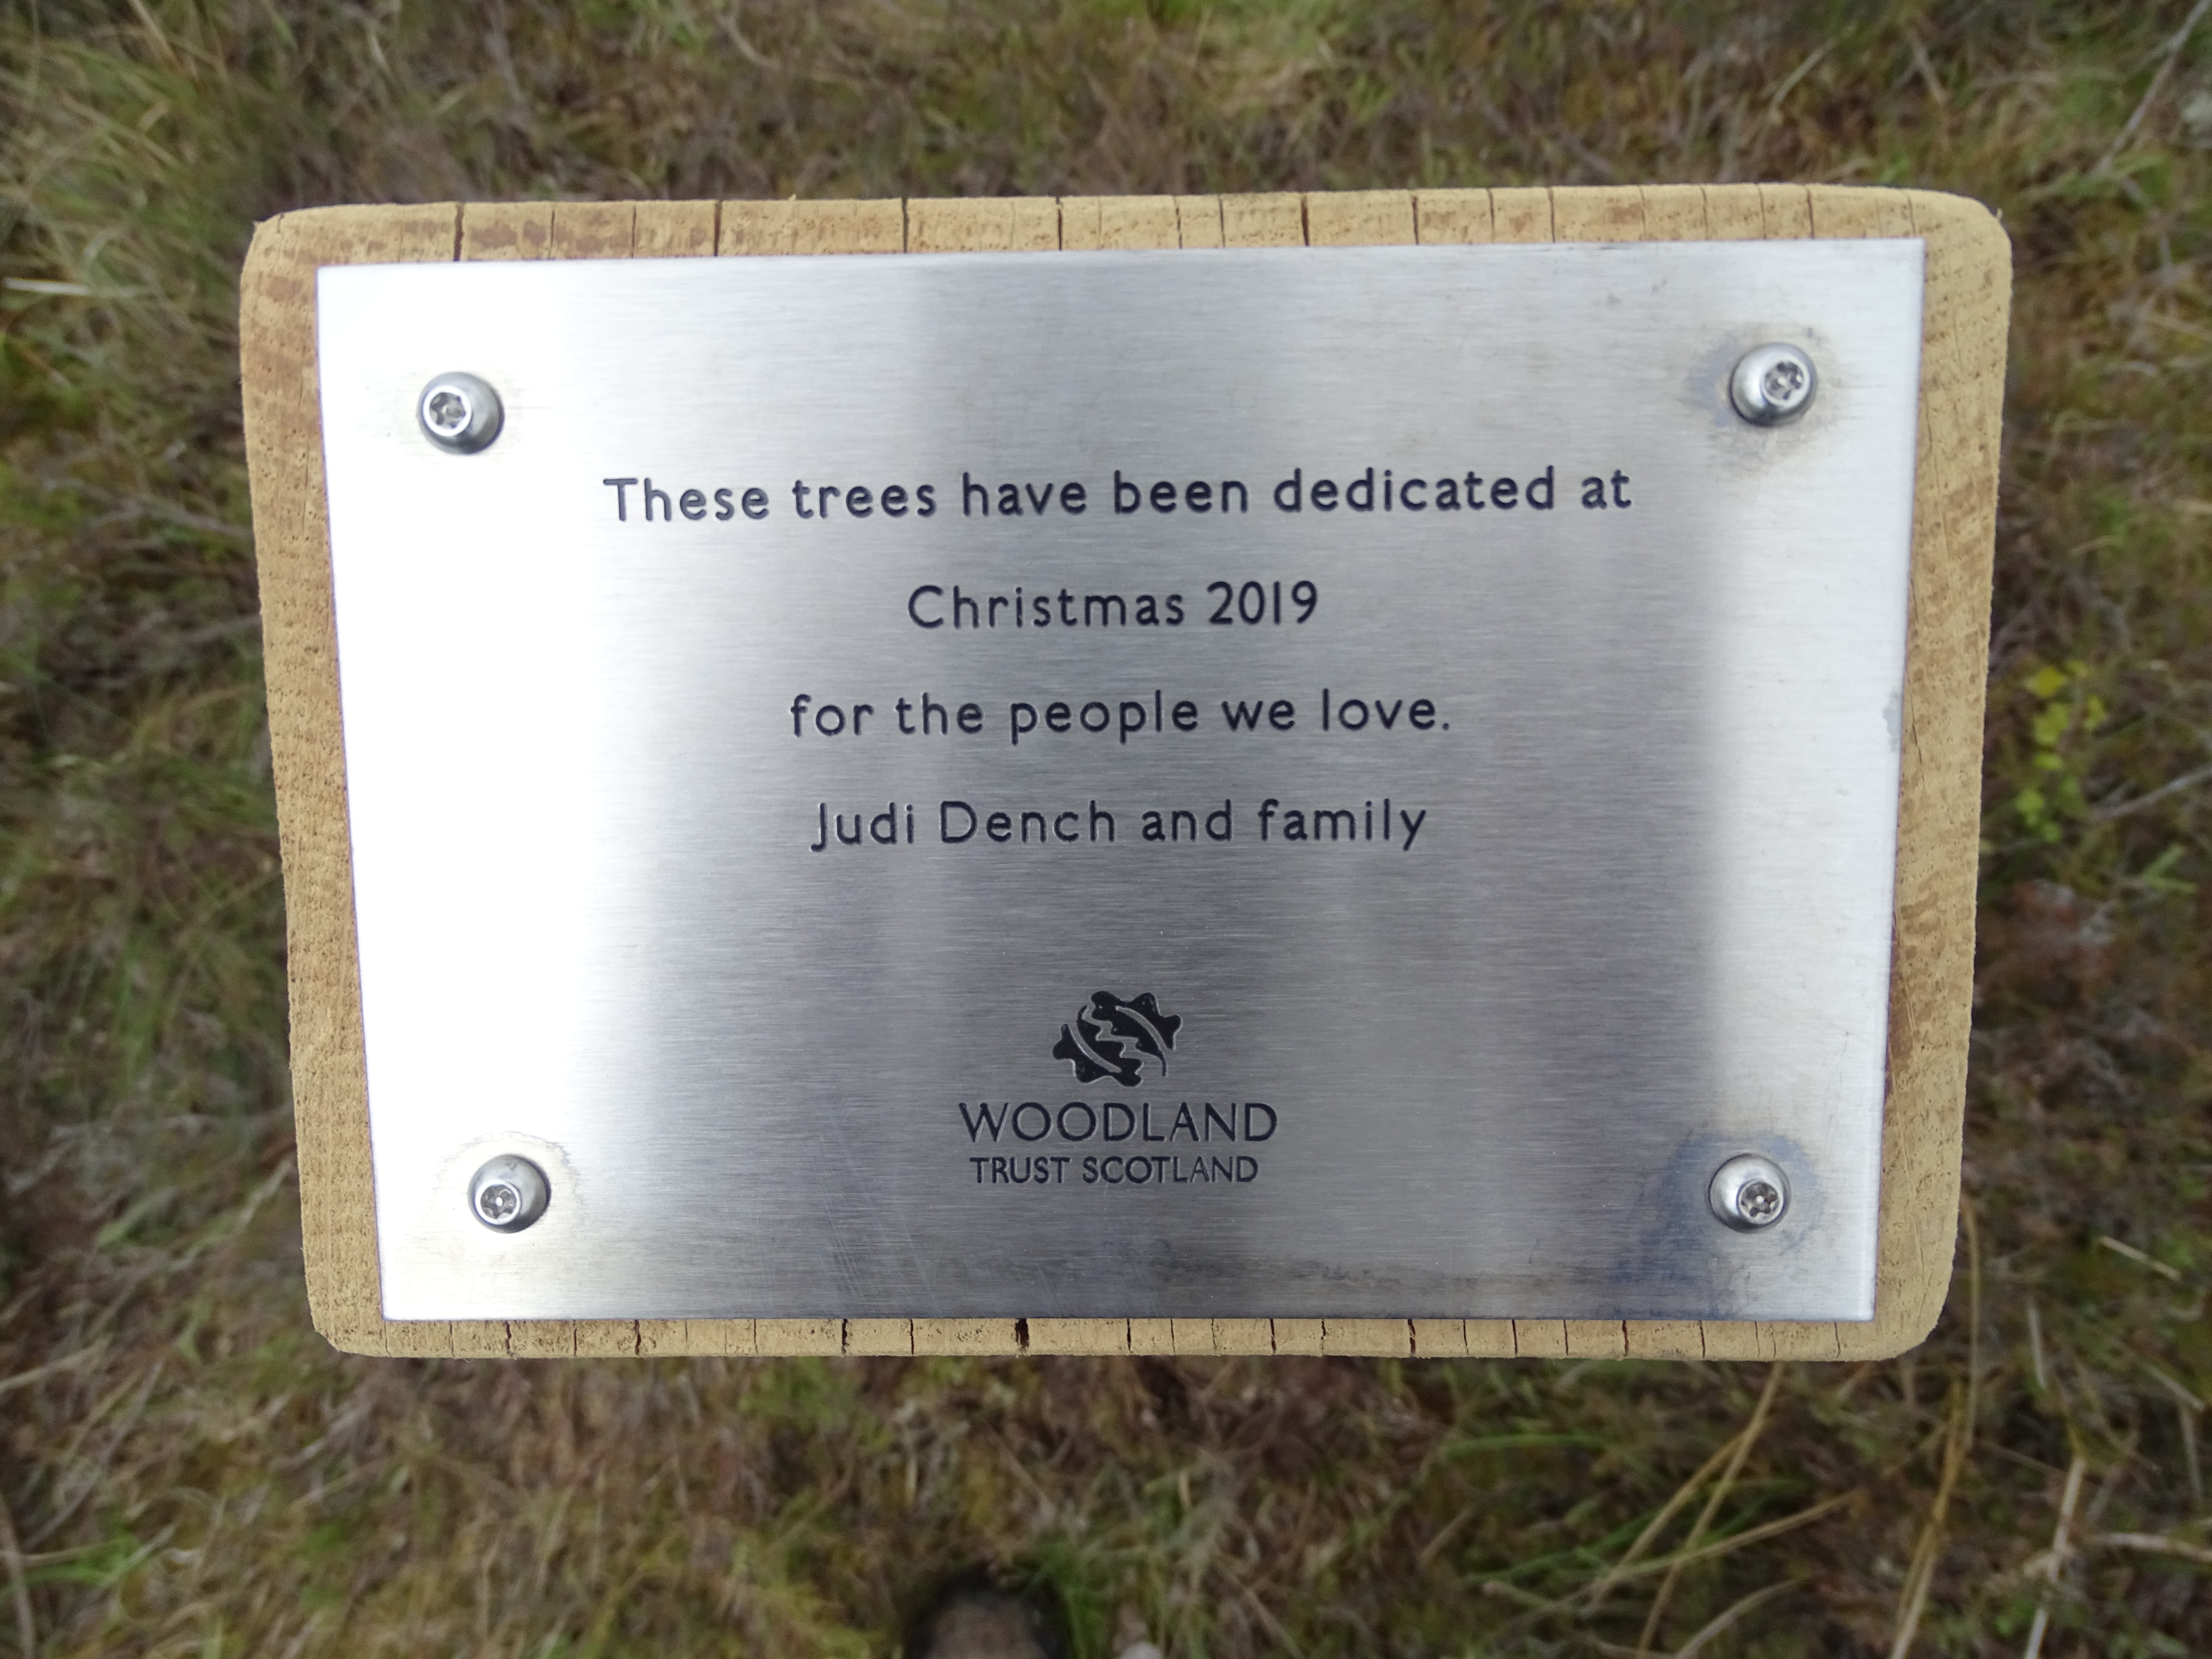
[[1961, 390]]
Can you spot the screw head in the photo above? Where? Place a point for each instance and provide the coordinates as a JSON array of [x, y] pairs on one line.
[[459, 413], [508, 1193], [1749, 1193], [1773, 384]]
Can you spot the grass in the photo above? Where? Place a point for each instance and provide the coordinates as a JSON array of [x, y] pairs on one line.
[[185, 1469]]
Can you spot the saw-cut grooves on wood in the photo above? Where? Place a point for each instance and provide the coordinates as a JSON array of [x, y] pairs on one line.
[[1954, 512]]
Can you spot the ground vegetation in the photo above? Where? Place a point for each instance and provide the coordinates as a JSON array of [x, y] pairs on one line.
[[184, 1468]]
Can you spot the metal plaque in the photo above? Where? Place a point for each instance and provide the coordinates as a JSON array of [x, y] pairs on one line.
[[1334, 782]]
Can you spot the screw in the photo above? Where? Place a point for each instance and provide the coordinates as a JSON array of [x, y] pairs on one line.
[[1749, 1193], [460, 413], [508, 1193], [1773, 384]]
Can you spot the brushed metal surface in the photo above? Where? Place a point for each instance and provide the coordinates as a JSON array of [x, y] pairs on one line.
[[1631, 917]]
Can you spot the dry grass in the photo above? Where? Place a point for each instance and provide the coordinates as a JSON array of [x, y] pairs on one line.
[[186, 1468]]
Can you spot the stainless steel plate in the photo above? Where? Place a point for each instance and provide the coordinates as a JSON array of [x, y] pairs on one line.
[[1450, 1001]]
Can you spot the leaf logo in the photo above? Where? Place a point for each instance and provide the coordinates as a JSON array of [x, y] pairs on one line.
[[1109, 1037]]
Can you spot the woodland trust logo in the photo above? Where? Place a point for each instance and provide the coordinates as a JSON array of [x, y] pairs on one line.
[[1111, 1037]]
